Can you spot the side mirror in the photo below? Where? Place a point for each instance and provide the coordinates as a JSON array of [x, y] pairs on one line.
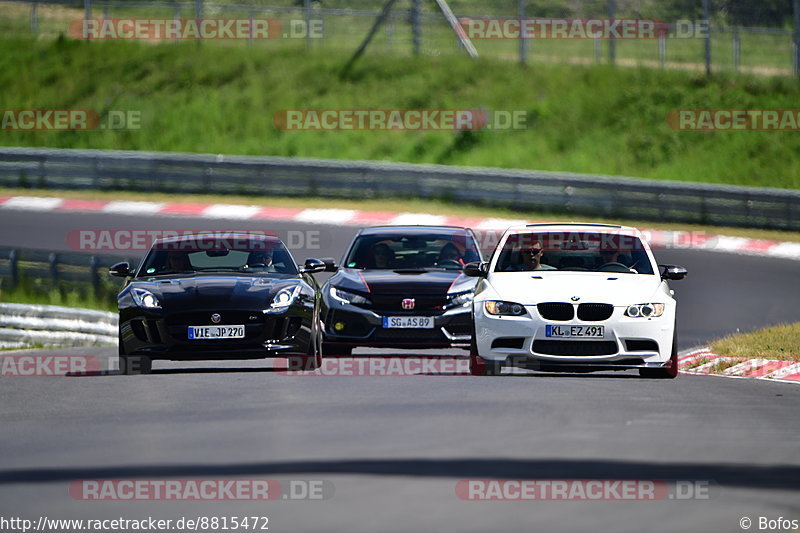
[[673, 272], [312, 266], [476, 270], [120, 270], [330, 264]]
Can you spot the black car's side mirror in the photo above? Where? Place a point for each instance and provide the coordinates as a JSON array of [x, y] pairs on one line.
[[312, 266], [330, 264], [120, 270], [673, 272], [476, 270]]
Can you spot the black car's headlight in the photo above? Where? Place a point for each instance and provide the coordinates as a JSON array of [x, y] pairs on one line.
[[284, 298], [145, 299], [460, 298], [348, 297], [645, 310], [495, 307]]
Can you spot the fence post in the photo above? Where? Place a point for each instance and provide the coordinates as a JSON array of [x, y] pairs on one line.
[[13, 267], [34, 17], [737, 49], [707, 23], [416, 31], [307, 16], [612, 45], [796, 37], [87, 6], [523, 43], [662, 51], [598, 50]]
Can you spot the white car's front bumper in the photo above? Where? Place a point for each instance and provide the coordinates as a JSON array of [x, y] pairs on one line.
[[626, 342]]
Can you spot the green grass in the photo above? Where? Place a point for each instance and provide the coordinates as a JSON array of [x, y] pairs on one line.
[[42, 292], [777, 342], [222, 99]]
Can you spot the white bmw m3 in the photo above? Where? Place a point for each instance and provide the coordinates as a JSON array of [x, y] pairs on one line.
[[574, 298]]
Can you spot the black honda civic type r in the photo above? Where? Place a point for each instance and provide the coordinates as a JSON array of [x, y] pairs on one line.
[[218, 297], [401, 287]]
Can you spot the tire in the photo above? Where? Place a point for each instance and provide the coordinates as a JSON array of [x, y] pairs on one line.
[[130, 365], [670, 371], [309, 362], [336, 349], [478, 366]]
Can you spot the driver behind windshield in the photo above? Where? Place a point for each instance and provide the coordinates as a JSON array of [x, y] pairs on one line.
[[178, 262], [450, 254]]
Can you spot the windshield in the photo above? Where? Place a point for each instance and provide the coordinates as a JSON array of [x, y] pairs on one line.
[[577, 251], [392, 251], [245, 256]]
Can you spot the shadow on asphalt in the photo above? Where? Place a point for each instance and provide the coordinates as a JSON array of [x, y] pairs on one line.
[[782, 477]]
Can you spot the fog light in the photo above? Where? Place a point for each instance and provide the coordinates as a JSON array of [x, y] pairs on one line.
[[339, 326]]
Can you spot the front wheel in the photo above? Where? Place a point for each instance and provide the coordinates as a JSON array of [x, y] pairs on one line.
[[478, 366], [670, 371]]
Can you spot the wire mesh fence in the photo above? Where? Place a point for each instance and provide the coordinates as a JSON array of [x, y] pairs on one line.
[[753, 37]]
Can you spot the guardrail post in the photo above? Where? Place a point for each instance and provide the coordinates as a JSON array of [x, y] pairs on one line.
[[307, 15], [13, 268], [796, 37], [52, 259], [94, 275], [662, 51], [737, 48], [87, 7]]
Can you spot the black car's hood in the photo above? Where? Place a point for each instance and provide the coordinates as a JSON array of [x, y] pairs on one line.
[[216, 291], [379, 282]]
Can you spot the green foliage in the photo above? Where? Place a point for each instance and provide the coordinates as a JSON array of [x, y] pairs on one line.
[[219, 98]]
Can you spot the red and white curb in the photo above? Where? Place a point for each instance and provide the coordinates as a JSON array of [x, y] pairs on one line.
[[704, 362], [352, 217]]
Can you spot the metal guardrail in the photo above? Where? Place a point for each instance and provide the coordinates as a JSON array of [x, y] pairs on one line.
[[25, 325], [553, 192], [71, 268]]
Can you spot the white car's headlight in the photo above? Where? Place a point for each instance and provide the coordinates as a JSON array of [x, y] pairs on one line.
[[494, 307], [460, 298], [645, 310], [348, 297], [146, 299], [285, 298]]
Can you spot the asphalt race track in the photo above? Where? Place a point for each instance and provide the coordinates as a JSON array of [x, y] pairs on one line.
[[389, 451]]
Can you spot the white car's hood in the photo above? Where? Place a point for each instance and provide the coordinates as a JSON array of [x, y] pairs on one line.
[[594, 287]]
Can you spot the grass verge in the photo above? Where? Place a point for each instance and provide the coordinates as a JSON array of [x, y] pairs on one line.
[[777, 342]]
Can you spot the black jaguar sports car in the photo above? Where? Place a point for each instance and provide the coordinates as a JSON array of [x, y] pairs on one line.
[[223, 297], [401, 287]]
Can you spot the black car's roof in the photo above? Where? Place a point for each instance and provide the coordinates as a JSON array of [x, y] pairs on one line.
[[405, 230]]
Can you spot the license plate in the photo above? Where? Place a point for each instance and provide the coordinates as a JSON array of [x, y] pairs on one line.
[[416, 322], [216, 332], [574, 332]]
